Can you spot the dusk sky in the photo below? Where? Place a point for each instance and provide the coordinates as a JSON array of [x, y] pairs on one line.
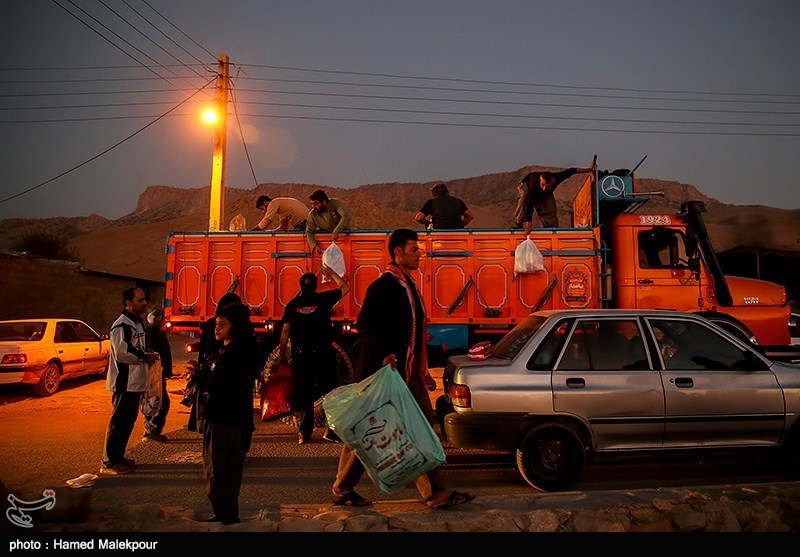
[[355, 92]]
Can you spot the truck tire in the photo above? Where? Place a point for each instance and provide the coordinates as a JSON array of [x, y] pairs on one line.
[[345, 371], [551, 458]]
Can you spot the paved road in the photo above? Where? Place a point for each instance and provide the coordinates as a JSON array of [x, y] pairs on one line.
[[45, 441]]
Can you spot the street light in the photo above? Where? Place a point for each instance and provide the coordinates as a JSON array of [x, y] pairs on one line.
[[209, 116]]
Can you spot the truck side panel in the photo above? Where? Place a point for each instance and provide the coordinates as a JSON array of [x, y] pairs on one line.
[[466, 277]]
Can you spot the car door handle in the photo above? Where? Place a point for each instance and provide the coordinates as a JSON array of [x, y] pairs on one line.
[[683, 382], [645, 281], [85, 349], [576, 383]]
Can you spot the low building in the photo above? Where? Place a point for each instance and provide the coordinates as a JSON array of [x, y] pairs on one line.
[[37, 287]]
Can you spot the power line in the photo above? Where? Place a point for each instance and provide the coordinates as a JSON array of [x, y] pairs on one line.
[[86, 80], [403, 111], [515, 103], [427, 99], [110, 41], [483, 114], [117, 144], [241, 134], [81, 68], [428, 123], [462, 90], [178, 28], [94, 105], [515, 127], [153, 25], [515, 83], [143, 34], [83, 93]]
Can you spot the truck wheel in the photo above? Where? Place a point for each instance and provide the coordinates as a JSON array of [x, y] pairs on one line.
[[50, 380], [551, 458], [345, 372]]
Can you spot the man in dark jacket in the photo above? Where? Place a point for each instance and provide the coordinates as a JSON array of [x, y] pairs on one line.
[[444, 211], [307, 324], [158, 341], [536, 192], [393, 331]]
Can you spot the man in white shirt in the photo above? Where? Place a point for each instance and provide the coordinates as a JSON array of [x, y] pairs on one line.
[[281, 213]]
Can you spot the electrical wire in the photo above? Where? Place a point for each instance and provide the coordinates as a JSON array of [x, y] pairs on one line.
[[154, 26], [112, 42], [178, 29], [143, 34], [515, 83], [241, 132], [403, 111], [97, 156], [496, 91]]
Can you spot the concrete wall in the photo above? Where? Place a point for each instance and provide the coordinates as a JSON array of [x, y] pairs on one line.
[[33, 287]]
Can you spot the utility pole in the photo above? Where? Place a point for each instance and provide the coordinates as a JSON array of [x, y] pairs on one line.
[[216, 211]]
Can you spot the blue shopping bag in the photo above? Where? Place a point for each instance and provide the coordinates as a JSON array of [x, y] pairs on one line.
[[381, 422]]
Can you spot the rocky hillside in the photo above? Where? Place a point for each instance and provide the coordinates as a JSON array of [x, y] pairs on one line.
[[134, 244]]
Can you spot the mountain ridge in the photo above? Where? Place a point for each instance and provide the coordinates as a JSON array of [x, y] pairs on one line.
[[104, 243]]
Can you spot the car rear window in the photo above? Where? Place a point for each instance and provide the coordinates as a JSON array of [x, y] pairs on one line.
[[26, 330], [510, 345]]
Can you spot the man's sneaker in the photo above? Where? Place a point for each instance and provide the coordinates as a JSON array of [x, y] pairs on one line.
[[116, 470], [129, 462], [154, 437]]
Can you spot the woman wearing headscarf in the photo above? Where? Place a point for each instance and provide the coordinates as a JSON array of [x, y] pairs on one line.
[[225, 409]]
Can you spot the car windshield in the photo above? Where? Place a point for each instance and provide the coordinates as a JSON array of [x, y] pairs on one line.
[[510, 345], [25, 330]]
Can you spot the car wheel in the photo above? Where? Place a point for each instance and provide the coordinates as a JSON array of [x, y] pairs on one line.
[[551, 458], [345, 372], [50, 380]]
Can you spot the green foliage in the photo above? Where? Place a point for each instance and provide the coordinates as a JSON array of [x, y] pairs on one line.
[[44, 243]]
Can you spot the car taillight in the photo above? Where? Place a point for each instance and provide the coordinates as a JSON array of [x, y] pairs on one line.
[[459, 395], [15, 359], [192, 347]]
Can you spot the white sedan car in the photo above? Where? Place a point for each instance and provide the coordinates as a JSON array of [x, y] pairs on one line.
[[43, 352]]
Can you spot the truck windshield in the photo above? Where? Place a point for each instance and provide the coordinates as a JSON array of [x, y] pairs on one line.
[[510, 345]]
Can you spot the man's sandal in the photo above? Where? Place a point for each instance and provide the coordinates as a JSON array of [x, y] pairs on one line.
[[455, 498], [351, 499]]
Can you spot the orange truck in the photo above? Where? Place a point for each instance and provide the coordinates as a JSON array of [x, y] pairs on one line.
[[611, 257]]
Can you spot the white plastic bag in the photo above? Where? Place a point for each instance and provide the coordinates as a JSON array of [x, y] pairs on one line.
[[528, 258], [333, 258], [151, 397], [238, 223]]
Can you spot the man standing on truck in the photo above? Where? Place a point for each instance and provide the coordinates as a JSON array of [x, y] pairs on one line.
[[327, 215], [392, 328], [443, 210], [307, 324], [536, 192], [288, 212]]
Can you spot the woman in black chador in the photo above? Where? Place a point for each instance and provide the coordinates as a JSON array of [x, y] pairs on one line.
[[225, 408]]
